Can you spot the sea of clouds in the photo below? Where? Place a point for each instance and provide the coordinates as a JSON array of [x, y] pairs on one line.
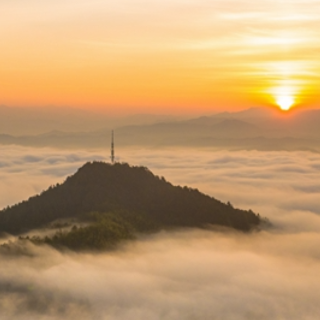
[[187, 274]]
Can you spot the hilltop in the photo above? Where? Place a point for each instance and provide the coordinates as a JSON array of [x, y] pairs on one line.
[[117, 201]]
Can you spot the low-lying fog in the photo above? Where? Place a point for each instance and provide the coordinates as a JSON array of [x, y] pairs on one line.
[[190, 274]]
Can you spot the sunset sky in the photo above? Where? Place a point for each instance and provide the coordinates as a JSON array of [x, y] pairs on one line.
[[161, 56]]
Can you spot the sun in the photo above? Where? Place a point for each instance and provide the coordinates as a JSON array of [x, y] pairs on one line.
[[285, 102]]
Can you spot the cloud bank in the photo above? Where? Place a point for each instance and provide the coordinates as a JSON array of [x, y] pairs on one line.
[[182, 275], [189, 274]]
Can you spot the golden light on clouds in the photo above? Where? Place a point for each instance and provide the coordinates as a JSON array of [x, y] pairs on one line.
[[130, 55]]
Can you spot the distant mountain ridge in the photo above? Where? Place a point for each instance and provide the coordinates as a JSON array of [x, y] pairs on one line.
[[31, 121], [257, 128]]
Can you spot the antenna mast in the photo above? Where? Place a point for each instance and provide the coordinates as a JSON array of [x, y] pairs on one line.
[[112, 147]]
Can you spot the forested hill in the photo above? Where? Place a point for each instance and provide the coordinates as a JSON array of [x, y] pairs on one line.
[[104, 188]]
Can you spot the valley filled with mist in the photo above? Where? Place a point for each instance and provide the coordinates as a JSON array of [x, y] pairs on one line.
[[183, 274]]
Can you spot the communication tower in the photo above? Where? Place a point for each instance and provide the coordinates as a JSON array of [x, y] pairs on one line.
[[112, 147]]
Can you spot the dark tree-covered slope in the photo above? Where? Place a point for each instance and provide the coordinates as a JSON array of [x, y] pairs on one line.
[[102, 187]]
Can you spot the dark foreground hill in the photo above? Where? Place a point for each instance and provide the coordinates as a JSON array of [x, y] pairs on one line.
[[119, 199]]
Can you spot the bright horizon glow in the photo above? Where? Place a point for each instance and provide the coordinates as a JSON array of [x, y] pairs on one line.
[[285, 102], [165, 56], [287, 94]]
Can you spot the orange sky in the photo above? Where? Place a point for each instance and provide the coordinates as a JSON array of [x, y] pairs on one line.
[[158, 55]]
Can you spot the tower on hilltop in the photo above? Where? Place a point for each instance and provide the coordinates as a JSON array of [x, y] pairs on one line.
[[112, 147]]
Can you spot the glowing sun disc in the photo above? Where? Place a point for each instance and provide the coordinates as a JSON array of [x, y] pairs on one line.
[[285, 102]]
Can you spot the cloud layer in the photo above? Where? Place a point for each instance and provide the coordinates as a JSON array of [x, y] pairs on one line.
[[183, 275], [190, 274]]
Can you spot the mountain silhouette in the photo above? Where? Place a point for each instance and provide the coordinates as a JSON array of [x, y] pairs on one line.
[[132, 194]]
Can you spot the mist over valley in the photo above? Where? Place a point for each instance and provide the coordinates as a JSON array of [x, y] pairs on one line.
[[189, 273]]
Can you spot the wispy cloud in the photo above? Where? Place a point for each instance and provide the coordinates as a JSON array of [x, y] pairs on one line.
[[131, 42]]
